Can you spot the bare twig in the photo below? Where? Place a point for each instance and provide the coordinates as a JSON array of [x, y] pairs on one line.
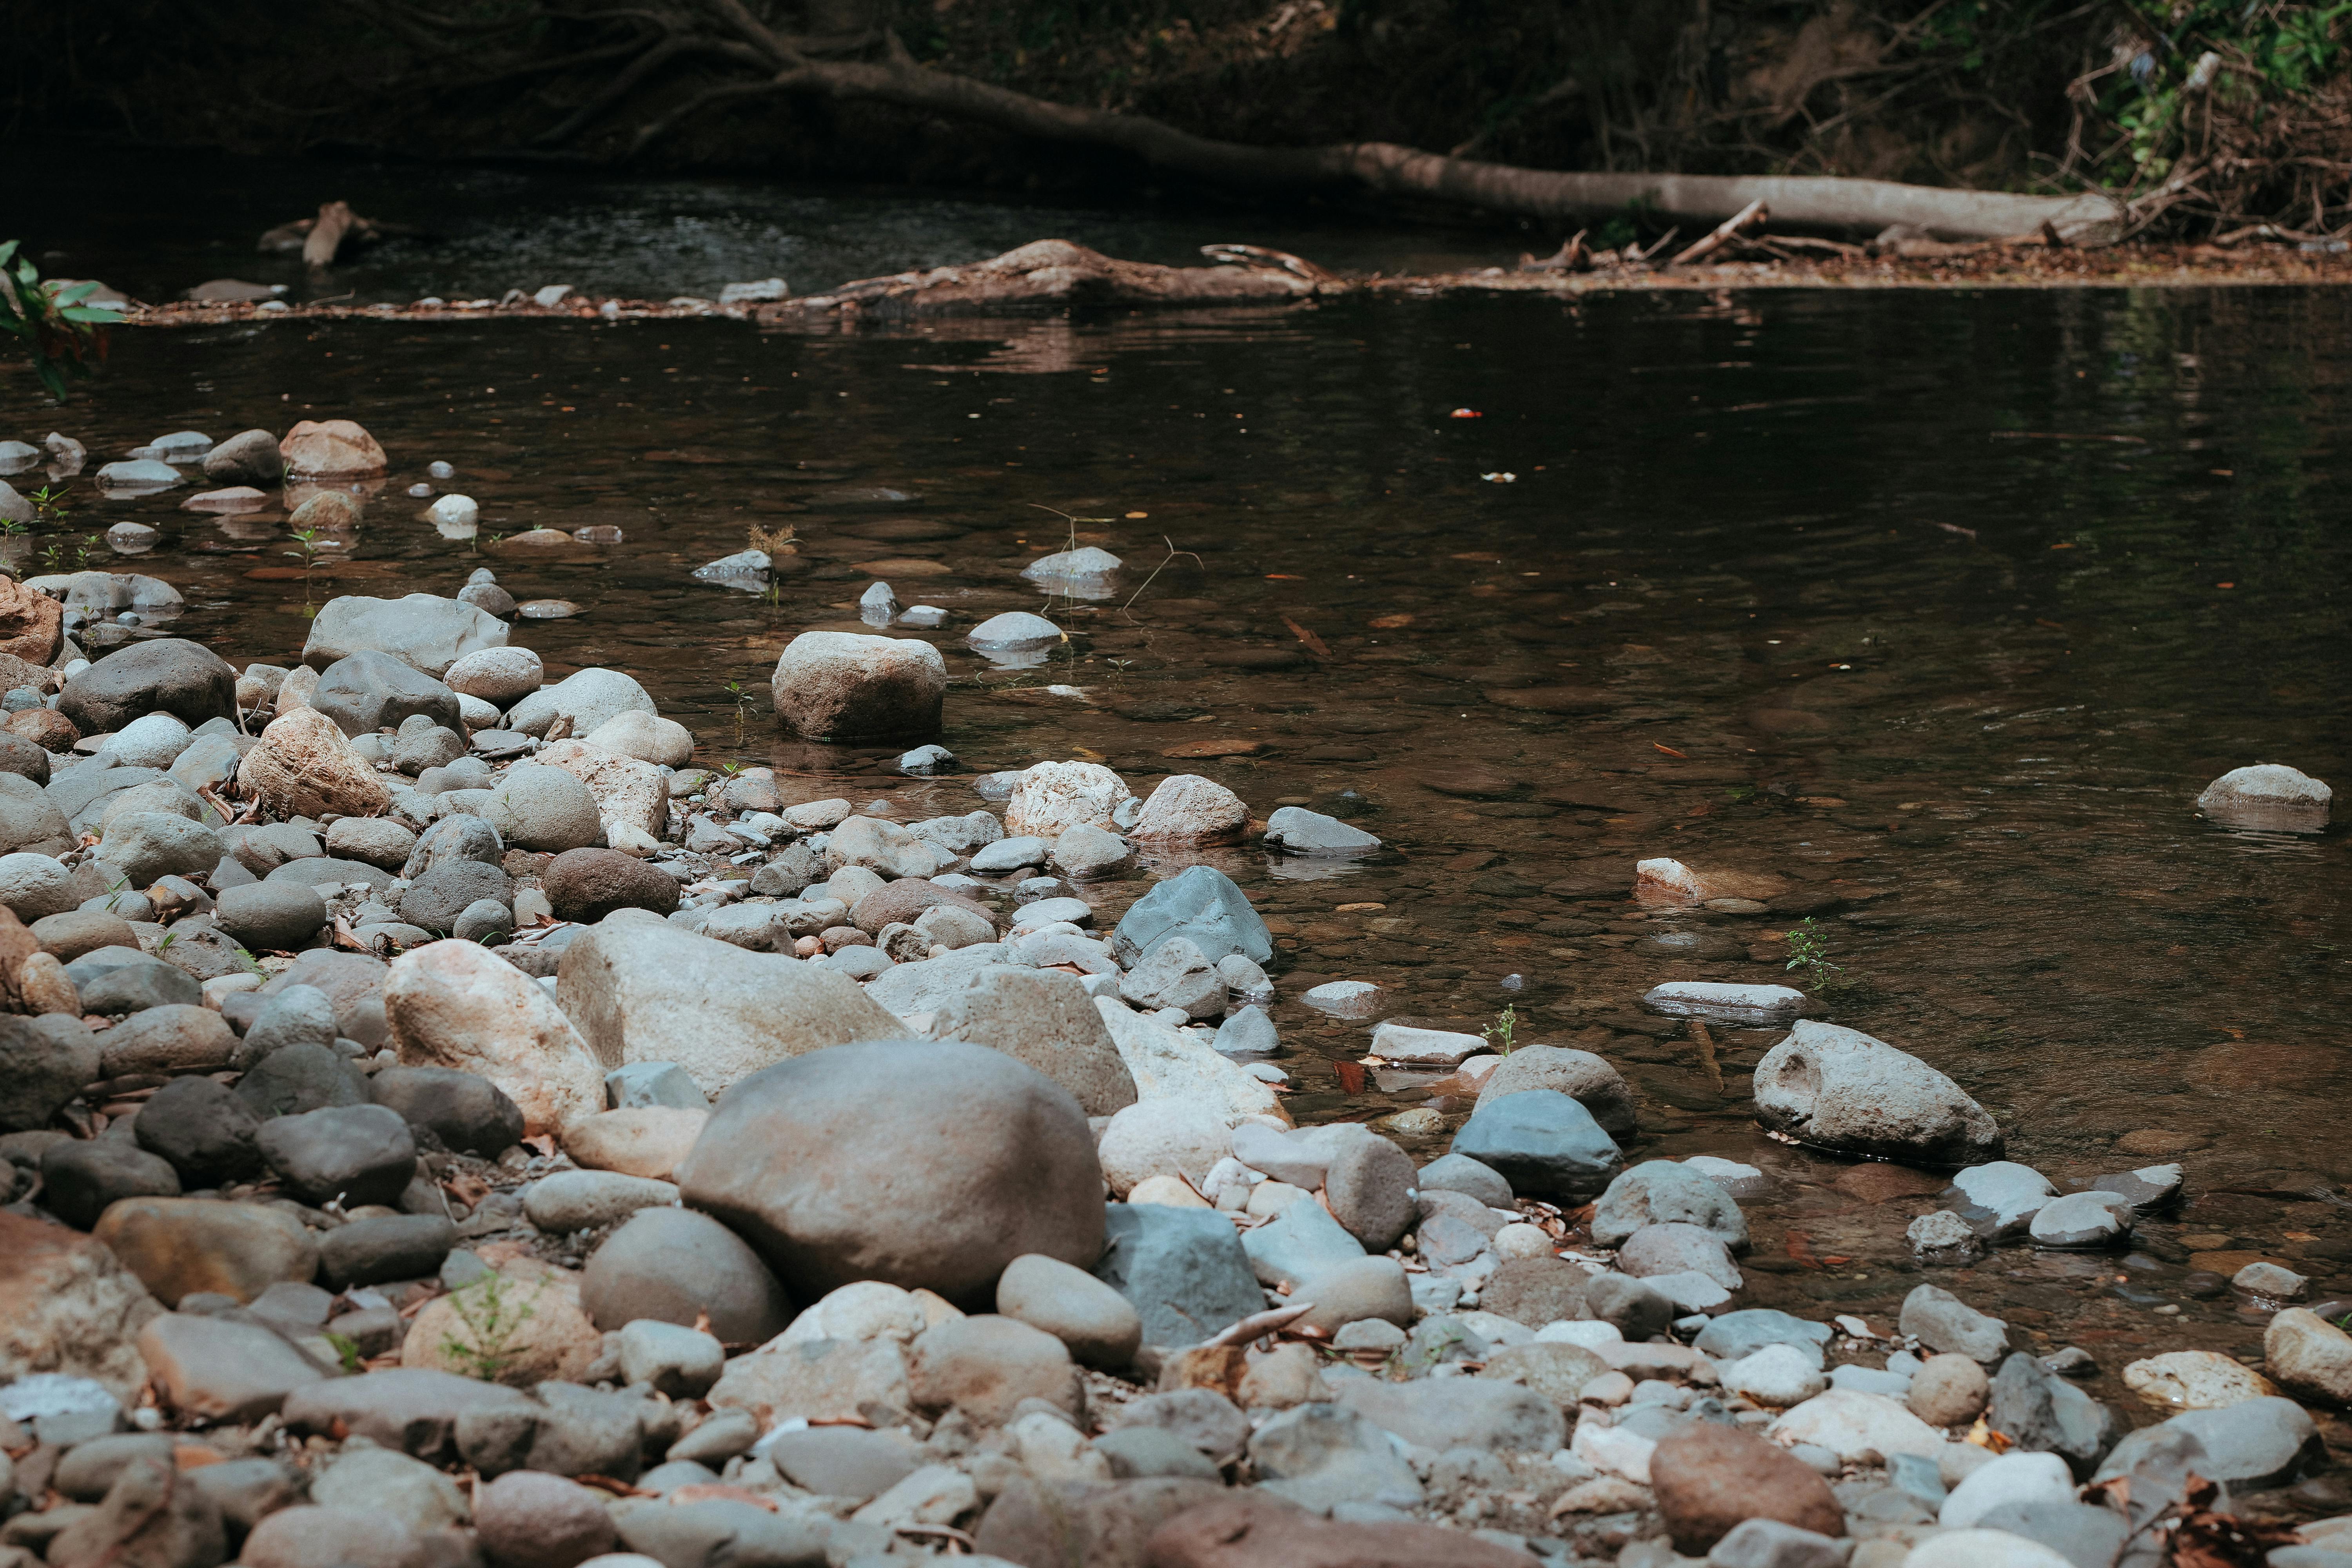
[[1754, 216], [1257, 1325]]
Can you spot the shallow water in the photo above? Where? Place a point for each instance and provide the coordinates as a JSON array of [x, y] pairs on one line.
[[1784, 582], [479, 231]]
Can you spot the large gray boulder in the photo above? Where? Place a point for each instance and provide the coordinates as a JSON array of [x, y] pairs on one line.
[[1202, 905], [421, 630], [916, 1162], [371, 691], [588, 698], [639, 989], [1584, 1078], [31, 819], [842, 685], [674, 1266], [1666, 1192], [1839, 1089], [149, 844], [164, 675], [1044, 1017]]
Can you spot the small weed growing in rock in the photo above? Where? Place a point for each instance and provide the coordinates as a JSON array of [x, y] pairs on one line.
[[743, 700], [1809, 950], [1504, 1032], [348, 1350], [492, 1320]]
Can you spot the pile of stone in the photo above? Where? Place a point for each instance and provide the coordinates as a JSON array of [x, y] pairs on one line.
[[450, 1080]]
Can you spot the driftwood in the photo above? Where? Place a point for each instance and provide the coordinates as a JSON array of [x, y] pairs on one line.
[[322, 239], [1754, 216], [754, 62], [1055, 274]]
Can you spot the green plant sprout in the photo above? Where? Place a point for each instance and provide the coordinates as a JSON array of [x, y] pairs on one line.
[[492, 1322], [1504, 1032], [1809, 949], [347, 1350], [61, 333], [308, 538]]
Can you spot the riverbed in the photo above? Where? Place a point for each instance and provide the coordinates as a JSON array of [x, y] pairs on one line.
[[1942, 605]]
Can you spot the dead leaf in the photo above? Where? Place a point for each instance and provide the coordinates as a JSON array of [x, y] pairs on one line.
[[1669, 750], [1390, 623], [1235, 747], [1313, 642], [696, 1492], [1352, 1078]]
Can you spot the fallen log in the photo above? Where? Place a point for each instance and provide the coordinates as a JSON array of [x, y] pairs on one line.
[[1050, 273], [1386, 168]]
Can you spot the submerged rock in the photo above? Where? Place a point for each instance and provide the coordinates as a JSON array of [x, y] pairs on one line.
[[1839, 1089]]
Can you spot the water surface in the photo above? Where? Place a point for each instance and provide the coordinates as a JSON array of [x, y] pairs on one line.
[[1944, 607]]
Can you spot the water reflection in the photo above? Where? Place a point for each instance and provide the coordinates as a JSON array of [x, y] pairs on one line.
[[1774, 596]]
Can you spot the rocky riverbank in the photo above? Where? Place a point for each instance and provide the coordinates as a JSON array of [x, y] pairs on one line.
[[443, 1124]]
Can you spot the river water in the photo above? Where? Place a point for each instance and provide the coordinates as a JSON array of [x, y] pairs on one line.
[[1942, 607]]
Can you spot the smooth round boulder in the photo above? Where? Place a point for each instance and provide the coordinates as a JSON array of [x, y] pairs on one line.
[[21, 755], [648, 737], [674, 1266], [920, 1163], [164, 675], [539, 807], [434, 900], [1709, 1477], [272, 916], [150, 741], [372, 840], [146, 845], [528, 1519], [1580, 1075], [34, 886], [842, 685], [587, 884], [371, 690], [1097, 1324], [503, 676]]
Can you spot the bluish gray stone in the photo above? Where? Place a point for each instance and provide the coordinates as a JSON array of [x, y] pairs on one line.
[[374, 690], [2043, 1413], [1183, 1270], [1736, 1335], [1666, 1192], [1298, 1243], [1460, 1174], [1320, 1456], [1543, 1143], [2253, 1443], [1200, 904], [645, 1084], [1304, 832]]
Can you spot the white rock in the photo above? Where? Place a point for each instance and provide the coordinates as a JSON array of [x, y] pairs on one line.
[[1052, 797], [1592, 1335], [629, 793], [457, 1005], [588, 698], [454, 511], [152, 741], [2017, 1477], [2268, 795], [1751, 1006], [869, 1310], [1072, 565], [1983, 1549], [1849, 1425], [2082, 1220], [1777, 1377], [2013, 1194], [1168, 1063], [648, 737], [2195, 1380], [1840, 1089], [503, 676], [1614, 1451], [1423, 1047]]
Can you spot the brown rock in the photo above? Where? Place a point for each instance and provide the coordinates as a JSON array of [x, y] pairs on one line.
[[904, 899], [985, 1364], [522, 1326], [19, 755], [843, 686], [587, 884], [179, 1036], [316, 448], [326, 511], [304, 1537], [1102, 1526], [46, 728], [816, 1380], [1558, 1372], [1949, 1391], [1875, 1183], [30, 625], [154, 1516], [1186, 808], [78, 931], [17, 943], [304, 767], [1582, 1076], [29, 629], [178, 1247], [528, 1520], [1535, 1291], [1253, 1530], [643, 1141], [44, 986], [1709, 1477], [67, 1304]]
